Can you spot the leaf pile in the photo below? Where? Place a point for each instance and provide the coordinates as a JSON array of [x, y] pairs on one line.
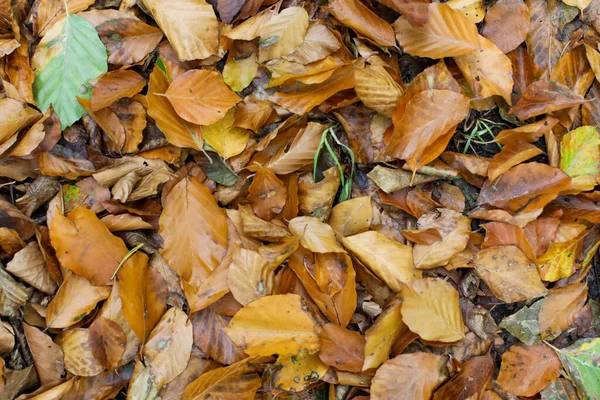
[[260, 199]]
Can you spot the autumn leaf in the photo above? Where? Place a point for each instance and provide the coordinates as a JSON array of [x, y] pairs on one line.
[[283, 33], [526, 370], [274, 325], [543, 97], [204, 241], [472, 378], [560, 308], [377, 89], [580, 158], [315, 235], [250, 276], [342, 348], [578, 360], [296, 373], [447, 33], [357, 16], [267, 194], [380, 337], [559, 260], [47, 355], [107, 342], [507, 33], [115, 85], [201, 97], [351, 216], [430, 309], [409, 376]]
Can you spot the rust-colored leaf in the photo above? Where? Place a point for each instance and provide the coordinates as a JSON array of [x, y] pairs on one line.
[[107, 342]]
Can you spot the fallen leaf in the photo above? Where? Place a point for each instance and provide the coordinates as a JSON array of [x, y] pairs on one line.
[[409, 376], [430, 309], [209, 336], [274, 325], [513, 153], [526, 370], [559, 260], [560, 308], [507, 33], [297, 373], [358, 17], [578, 359], [84, 245], [447, 33], [581, 4], [351, 216], [391, 261], [190, 25], [250, 276], [107, 342], [29, 265], [342, 348], [542, 44], [116, 85], [380, 337], [525, 187], [580, 159], [200, 96], [509, 273], [168, 348], [143, 293], [204, 240], [267, 194], [524, 324], [319, 42], [428, 117], [227, 139], [47, 355], [241, 66], [472, 9], [470, 381], [315, 235], [542, 97], [283, 33], [574, 71], [300, 152], [63, 312]]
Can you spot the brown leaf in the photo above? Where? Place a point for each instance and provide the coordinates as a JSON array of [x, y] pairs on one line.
[[513, 153], [509, 273], [428, 117], [351, 216], [143, 293], [409, 376], [79, 359], [542, 42], [47, 355], [543, 97], [168, 348], [209, 336], [503, 234], [29, 265], [574, 71], [201, 96], [526, 370], [253, 114], [267, 194], [525, 188], [107, 342], [300, 152], [316, 198], [560, 308], [507, 24], [194, 230], [365, 22], [470, 381], [115, 85], [341, 348]]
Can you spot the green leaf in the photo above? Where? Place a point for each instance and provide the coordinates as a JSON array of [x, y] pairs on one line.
[[580, 158], [76, 55], [582, 362], [217, 169], [524, 324]]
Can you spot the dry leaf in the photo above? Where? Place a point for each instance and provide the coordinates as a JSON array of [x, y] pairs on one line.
[[79, 359], [560, 308], [315, 235], [377, 89], [250, 276], [107, 342], [209, 336], [283, 33], [513, 153], [275, 324], [29, 265], [168, 348], [430, 309], [297, 373], [227, 139], [341, 348], [266, 194], [381, 336], [47, 355], [470, 381], [351, 216], [507, 24], [409, 376], [115, 85]]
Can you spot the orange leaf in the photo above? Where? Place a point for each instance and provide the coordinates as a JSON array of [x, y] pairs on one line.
[[507, 24], [361, 19], [560, 308], [115, 85], [107, 342], [267, 194], [201, 96], [542, 97], [194, 230], [341, 348], [526, 370], [209, 336], [513, 153], [473, 377]]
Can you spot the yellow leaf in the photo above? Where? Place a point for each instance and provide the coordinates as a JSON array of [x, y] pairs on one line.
[[390, 260], [447, 33], [581, 4], [580, 158], [381, 335], [297, 373], [79, 359], [191, 26], [227, 140], [472, 9], [283, 33], [315, 235], [241, 66], [351, 216], [276, 324], [593, 57], [250, 276], [377, 89], [319, 42], [168, 349], [431, 310], [558, 261]]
